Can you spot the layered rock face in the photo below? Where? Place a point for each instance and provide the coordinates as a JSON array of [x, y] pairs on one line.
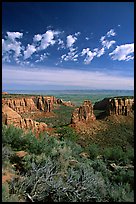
[[46, 103], [115, 106], [83, 114], [120, 106], [9, 116], [24, 105], [20, 105], [65, 103]]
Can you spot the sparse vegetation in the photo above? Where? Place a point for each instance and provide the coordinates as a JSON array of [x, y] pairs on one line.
[[56, 169]]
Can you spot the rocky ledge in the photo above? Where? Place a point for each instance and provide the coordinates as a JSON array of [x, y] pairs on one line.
[[9, 116], [116, 105]]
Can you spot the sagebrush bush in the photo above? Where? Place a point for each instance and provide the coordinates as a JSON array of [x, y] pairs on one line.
[[48, 184]]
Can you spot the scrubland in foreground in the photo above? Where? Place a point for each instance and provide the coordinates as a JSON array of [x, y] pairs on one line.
[[94, 164]]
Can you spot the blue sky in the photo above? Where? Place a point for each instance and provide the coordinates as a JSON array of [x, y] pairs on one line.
[[68, 45]]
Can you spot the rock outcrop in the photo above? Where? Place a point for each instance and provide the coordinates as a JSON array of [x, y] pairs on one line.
[[20, 105], [45, 103], [9, 116], [4, 93], [119, 106], [65, 103], [116, 106], [83, 114], [30, 104]]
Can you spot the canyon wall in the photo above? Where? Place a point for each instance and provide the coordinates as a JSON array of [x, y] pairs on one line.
[[83, 114], [29, 104], [9, 116], [116, 106]]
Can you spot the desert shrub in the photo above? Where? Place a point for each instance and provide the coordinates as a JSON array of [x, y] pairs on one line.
[[129, 155], [46, 184], [120, 193], [67, 132], [6, 196], [114, 154], [7, 153], [12, 136], [18, 140], [93, 150], [124, 176]]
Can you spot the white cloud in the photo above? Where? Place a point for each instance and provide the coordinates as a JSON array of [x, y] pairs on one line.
[[84, 51], [42, 57], [9, 45], [102, 38], [111, 33], [100, 52], [71, 55], [107, 44], [87, 38], [70, 41], [37, 38], [13, 35], [29, 51], [78, 33], [61, 44], [65, 77], [123, 52], [48, 39], [89, 55]]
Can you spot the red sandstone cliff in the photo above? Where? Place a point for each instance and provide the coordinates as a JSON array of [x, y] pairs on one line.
[[116, 106], [30, 104], [9, 116], [83, 114]]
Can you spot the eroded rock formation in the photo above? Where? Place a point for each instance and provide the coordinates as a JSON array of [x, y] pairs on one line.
[[83, 114], [29, 104], [9, 116], [120, 106], [4, 93], [116, 106], [65, 103]]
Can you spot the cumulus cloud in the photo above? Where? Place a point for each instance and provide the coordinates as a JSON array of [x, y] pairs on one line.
[[111, 33], [47, 39], [42, 57], [29, 51], [71, 55], [11, 45], [100, 52], [70, 40], [64, 77], [61, 44], [89, 55], [13, 35], [37, 38], [102, 38], [107, 44], [78, 33], [123, 52]]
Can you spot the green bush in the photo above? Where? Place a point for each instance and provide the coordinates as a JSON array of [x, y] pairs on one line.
[[114, 154], [67, 132], [93, 150]]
